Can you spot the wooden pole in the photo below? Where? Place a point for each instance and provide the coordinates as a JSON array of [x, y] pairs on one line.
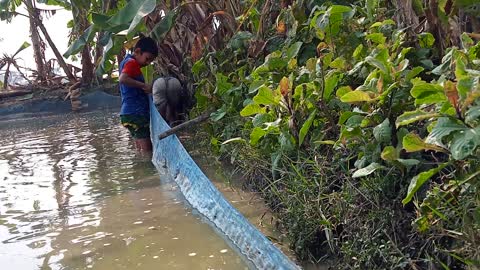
[[201, 118]]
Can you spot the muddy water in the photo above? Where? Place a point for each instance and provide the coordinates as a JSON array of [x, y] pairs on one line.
[[74, 195]]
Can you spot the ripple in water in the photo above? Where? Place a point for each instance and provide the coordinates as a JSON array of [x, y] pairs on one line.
[[74, 195]]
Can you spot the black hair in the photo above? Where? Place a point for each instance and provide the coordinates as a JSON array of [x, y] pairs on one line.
[[147, 44]]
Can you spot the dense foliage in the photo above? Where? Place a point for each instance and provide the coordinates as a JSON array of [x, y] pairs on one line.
[[358, 120], [364, 137]]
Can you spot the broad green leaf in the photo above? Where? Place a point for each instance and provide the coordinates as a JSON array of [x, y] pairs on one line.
[[113, 48], [418, 181], [240, 40], [389, 153], [293, 50], [339, 9], [354, 121], [427, 93], [383, 132], [146, 8], [367, 170], [256, 135], [198, 67], [219, 114], [275, 64], [222, 84], [385, 22], [83, 40], [331, 20], [100, 20], [473, 115], [465, 86], [446, 61], [164, 26], [287, 141], [127, 13], [464, 143], [414, 116], [343, 90], [358, 51], [356, 96], [413, 73], [338, 63], [377, 63], [443, 128], [345, 116], [378, 38], [262, 118], [265, 97], [426, 40], [331, 82], [21, 48], [306, 127], [252, 109], [413, 143], [254, 86]]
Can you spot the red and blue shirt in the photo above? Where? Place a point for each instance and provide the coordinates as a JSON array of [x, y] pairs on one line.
[[134, 100]]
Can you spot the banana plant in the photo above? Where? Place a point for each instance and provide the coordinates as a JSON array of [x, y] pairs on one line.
[[11, 60]]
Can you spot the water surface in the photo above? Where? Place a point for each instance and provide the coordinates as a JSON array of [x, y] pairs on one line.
[[75, 195]]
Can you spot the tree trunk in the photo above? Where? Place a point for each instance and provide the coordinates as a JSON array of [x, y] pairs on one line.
[[80, 14], [98, 48], [37, 42], [5, 78], [59, 56], [87, 66], [405, 16]]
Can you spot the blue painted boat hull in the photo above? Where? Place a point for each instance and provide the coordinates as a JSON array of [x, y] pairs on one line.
[[171, 158]]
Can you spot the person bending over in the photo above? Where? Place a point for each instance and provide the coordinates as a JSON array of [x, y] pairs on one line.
[[135, 112], [170, 98]]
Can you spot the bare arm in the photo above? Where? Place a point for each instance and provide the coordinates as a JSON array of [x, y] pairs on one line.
[[129, 81]]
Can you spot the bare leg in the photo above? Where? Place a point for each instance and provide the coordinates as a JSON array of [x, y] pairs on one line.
[[144, 145]]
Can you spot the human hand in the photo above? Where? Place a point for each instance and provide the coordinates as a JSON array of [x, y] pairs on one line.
[[147, 88]]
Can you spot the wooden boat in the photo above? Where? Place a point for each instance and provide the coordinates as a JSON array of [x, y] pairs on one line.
[[171, 158]]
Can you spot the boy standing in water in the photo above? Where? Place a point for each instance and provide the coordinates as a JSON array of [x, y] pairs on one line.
[[135, 112]]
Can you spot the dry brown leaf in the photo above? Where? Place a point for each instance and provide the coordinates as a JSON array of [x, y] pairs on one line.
[[281, 28], [380, 85], [452, 93], [197, 48], [284, 87]]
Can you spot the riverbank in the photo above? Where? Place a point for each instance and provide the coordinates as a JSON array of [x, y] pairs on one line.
[[38, 102]]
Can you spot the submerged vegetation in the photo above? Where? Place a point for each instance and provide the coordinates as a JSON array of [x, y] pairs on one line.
[[359, 121]]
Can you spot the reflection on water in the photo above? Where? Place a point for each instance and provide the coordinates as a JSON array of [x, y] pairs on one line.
[[74, 195]]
